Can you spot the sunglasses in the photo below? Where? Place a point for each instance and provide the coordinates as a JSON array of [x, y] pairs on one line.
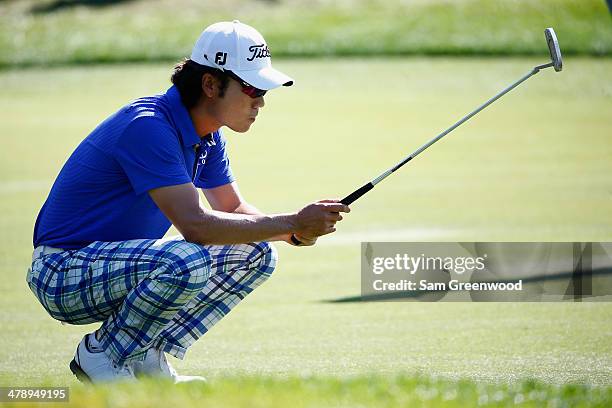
[[246, 88]]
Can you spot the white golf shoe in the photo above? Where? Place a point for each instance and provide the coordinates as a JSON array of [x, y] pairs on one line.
[[91, 364], [155, 364]]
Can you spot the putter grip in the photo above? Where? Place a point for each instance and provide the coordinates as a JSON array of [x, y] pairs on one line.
[[349, 199]]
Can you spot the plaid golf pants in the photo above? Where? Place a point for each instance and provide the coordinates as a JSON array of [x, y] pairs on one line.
[[163, 293]]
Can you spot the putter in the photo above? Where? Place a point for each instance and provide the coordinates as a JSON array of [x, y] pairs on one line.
[[556, 62]]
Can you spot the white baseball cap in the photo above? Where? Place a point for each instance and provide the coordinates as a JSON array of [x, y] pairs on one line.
[[237, 47]]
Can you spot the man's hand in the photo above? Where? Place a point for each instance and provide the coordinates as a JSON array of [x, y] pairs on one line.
[[318, 219]]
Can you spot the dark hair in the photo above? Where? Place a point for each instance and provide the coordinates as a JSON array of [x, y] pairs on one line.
[[187, 77]]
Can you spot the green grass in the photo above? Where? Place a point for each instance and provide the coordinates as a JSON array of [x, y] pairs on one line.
[[364, 391], [534, 166], [166, 29]]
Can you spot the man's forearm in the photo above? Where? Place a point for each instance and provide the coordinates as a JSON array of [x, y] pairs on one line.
[[182, 205], [246, 208], [221, 228]]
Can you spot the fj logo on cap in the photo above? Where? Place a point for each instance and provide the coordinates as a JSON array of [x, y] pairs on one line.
[[259, 51], [221, 58]]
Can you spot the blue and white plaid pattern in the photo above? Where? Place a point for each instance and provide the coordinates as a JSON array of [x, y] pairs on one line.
[[149, 293]]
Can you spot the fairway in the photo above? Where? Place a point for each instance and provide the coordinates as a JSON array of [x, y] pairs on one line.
[[534, 166]]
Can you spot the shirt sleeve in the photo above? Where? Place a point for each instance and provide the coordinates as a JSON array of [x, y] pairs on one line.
[[216, 171], [149, 152]]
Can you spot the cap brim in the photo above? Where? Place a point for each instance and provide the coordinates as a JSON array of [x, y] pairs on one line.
[[266, 78]]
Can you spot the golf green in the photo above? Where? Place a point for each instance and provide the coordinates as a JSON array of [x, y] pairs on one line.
[[535, 166]]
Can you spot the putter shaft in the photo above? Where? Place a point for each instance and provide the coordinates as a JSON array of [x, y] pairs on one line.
[[349, 199]]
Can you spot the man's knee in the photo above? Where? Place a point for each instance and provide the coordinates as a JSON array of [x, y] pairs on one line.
[[266, 256], [187, 263]]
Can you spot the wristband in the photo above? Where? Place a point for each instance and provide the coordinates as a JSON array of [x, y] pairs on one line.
[[295, 241]]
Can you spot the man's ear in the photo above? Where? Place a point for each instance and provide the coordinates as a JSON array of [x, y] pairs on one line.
[[210, 85]]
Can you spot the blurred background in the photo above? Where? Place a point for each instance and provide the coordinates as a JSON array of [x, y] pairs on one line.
[[374, 80], [88, 31]]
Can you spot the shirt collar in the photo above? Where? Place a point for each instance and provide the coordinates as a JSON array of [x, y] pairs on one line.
[[181, 117]]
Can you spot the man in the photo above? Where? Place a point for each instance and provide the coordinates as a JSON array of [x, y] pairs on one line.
[[99, 254]]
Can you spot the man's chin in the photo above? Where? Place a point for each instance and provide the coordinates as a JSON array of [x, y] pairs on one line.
[[242, 128]]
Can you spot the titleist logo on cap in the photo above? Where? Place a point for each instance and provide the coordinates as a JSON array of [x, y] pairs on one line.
[[259, 51]]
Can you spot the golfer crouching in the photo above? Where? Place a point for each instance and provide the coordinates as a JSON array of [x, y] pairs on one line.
[[99, 252]]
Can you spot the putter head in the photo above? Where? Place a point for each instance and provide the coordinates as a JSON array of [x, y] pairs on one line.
[[553, 47]]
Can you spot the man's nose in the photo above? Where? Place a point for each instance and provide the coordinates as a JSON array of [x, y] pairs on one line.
[[259, 102]]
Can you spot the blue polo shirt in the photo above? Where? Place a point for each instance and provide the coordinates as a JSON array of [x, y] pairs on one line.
[[101, 193]]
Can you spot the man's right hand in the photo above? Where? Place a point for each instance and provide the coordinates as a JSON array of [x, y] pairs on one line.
[[319, 218]]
